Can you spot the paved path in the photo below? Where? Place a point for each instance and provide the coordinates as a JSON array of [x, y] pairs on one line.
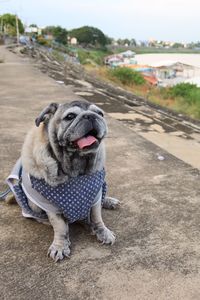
[[157, 253]]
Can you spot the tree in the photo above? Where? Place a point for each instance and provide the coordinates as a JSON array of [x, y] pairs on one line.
[[126, 42], [109, 40], [33, 25], [9, 24], [120, 42], [60, 34], [89, 35], [133, 42], [177, 45]]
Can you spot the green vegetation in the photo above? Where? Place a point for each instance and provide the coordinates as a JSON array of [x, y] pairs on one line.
[[123, 42], [8, 22], [59, 56], [92, 56], [44, 42], [88, 35], [60, 34], [186, 98], [153, 50], [183, 90], [33, 25], [127, 76]]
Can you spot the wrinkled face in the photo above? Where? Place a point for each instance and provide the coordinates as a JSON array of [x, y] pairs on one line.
[[80, 126]]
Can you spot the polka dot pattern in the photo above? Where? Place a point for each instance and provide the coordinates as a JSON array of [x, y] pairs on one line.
[[23, 202], [74, 198]]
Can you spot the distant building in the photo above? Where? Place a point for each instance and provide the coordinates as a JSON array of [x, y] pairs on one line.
[[30, 29], [115, 43], [170, 73], [73, 41], [33, 30], [123, 58], [49, 37]]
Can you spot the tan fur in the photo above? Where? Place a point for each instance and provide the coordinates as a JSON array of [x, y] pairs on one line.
[[35, 156]]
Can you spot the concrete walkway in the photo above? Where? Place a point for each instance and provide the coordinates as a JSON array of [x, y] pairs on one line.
[[157, 252]]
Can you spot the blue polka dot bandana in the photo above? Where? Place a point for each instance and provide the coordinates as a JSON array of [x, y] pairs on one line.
[[74, 198], [23, 202]]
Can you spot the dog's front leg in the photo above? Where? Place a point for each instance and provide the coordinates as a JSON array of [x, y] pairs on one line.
[[103, 234], [60, 246]]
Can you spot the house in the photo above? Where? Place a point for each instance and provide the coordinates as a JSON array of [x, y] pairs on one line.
[[113, 59], [127, 54], [30, 29], [72, 40], [123, 58], [170, 73]]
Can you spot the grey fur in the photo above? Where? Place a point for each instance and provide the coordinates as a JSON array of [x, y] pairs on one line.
[[45, 114], [49, 152]]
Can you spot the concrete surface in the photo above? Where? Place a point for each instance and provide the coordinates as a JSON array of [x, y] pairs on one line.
[[157, 252]]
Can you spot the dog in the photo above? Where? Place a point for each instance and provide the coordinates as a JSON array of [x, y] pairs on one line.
[[63, 156]]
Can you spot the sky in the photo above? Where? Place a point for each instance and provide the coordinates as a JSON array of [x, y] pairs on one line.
[[169, 20]]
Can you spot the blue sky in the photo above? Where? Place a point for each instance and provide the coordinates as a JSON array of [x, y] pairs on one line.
[[174, 20]]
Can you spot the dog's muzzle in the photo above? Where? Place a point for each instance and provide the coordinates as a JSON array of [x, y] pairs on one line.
[[86, 134]]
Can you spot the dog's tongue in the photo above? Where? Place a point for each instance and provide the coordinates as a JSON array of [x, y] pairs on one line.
[[86, 141]]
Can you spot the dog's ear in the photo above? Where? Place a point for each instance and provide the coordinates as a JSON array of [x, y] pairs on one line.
[[46, 114]]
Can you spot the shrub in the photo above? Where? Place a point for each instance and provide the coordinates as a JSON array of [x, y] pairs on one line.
[[42, 41], [127, 76], [182, 90], [187, 98], [193, 96]]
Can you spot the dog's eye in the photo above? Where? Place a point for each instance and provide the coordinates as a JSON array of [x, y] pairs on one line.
[[70, 116], [100, 113]]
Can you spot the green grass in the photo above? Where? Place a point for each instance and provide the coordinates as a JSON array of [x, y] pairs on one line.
[[154, 50], [92, 56], [127, 76], [59, 56], [186, 99]]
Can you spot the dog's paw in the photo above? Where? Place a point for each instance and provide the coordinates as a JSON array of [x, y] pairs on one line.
[[105, 236], [58, 251], [111, 203]]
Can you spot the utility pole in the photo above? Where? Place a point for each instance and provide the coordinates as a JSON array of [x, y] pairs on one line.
[[17, 29], [1, 25]]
